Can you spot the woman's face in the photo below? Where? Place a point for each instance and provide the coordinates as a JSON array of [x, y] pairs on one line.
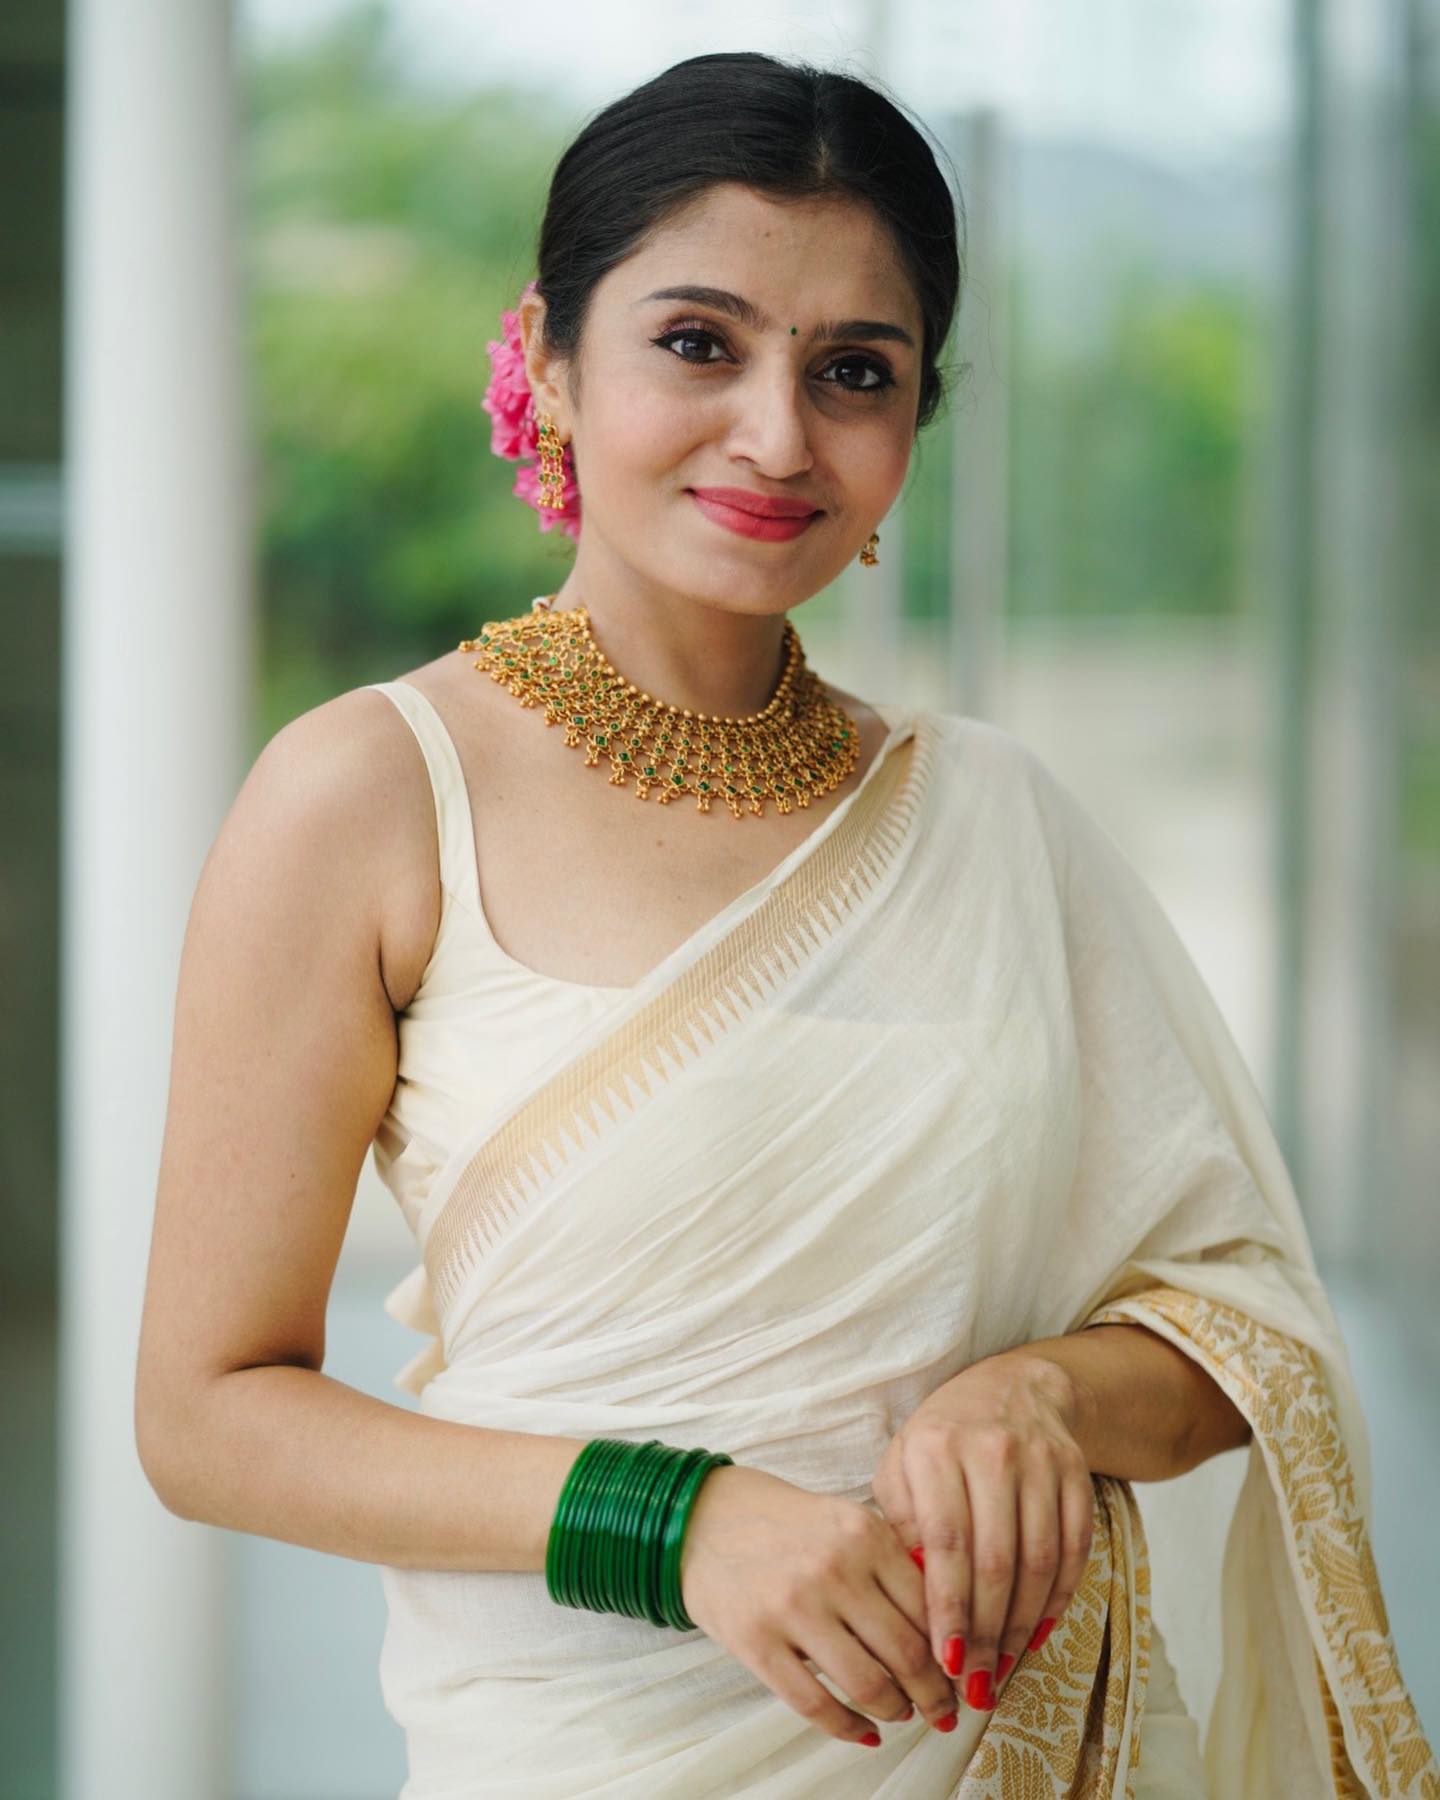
[[811, 396]]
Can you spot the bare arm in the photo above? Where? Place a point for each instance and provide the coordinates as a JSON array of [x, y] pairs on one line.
[[291, 1453], [283, 1063], [1138, 1406]]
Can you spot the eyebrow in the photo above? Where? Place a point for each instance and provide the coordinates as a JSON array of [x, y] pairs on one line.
[[722, 300]]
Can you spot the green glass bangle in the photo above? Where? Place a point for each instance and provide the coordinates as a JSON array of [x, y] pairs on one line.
[[672, 1603], [571, 1519], [669, 1515], [678, 1467], [618, 1530], [649, 1479], [579, 1577], [594, 1541], [556, 1542], [563, 1573], [603, 1542]]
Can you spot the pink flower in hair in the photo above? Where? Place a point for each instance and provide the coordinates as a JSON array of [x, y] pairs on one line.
[[513, 432]]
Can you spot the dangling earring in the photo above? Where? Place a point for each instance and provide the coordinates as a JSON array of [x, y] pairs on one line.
[[867, 554], [551, 478]]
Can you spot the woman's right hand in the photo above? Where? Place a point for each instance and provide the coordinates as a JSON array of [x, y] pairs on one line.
[[779, 1575]]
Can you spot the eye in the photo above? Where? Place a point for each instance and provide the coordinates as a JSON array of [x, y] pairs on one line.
[[697, 333], [883, 377], [685, 333]]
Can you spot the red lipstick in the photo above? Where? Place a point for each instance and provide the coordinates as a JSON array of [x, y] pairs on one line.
[[755, 515]]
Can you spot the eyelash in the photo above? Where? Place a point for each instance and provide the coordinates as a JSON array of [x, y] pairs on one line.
[[887, 380]]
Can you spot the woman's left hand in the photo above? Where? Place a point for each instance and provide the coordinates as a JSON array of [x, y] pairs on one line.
[[990, 1493]]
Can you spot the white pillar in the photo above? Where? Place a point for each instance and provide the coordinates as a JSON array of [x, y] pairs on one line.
[[1365, 368], [156, 689], [980, 422]]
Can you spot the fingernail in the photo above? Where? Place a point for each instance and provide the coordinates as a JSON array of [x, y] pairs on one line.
[[947, 1723], [872, 1738], [909, 1713], [954, 1655], [917, 1554], [1007, 1663], [1042, 1631], [979, 1691]]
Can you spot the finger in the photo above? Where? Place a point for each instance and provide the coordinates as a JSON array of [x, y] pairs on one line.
[[903, 1651], [1037, 1556], [947, 1534], [903, 1581], [991, 1481], [892, 1495], [784, 1672], [863, 1678], [1077, 1530]]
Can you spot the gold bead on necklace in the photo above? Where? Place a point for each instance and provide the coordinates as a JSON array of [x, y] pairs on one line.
[[798, 747]]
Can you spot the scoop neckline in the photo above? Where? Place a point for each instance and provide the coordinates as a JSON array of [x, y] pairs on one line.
[[898, 718]]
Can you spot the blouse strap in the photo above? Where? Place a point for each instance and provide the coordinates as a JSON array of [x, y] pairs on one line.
[[453, 819]]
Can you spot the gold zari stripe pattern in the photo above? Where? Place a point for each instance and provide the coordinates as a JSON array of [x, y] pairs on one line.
[[1279, 1385]]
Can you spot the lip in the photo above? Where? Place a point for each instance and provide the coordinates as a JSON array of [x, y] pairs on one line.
[[767, 527], [763, 506]]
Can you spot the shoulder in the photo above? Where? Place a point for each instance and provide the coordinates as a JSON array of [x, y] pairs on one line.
[[968, 750], [995, 781], [341, 769], [345, 783], [982, 751], [1085, 853]]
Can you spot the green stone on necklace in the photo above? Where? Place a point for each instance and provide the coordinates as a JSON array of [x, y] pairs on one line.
[[803, 734]]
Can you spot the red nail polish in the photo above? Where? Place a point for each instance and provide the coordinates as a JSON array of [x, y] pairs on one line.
[[909, 1713], [980, 1691], [872, 1738], [1042, 1631], [954, 1655], [1007, 1663], [917, 1554], [948, 1723]]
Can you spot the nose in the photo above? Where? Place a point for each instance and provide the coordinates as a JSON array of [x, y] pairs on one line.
[[770, 423]]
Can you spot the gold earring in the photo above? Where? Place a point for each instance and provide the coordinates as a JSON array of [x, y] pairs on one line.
[[552, 463], [867, 554]]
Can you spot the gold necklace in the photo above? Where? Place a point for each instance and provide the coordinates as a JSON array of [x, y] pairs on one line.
[[799, 746]]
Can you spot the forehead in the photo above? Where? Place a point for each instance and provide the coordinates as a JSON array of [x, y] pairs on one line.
[[824, 255]]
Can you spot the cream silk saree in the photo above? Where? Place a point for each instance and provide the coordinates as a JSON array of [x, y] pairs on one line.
[[945, 1082]]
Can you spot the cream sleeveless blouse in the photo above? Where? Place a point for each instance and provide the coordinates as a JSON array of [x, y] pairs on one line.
[[479, 1021]]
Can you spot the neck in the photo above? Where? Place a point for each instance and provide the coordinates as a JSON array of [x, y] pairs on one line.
[[683, 651]]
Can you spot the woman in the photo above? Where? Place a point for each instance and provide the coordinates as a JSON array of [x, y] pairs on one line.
[[860, 1117]]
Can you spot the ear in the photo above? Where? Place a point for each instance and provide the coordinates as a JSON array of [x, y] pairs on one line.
[[544, 373]]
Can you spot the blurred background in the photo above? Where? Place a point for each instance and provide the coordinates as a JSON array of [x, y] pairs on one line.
[[1179, 530]]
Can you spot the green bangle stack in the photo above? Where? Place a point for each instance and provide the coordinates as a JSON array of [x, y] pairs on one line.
[[619, 1528]]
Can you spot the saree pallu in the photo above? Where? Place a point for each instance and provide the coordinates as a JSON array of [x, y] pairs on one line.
[[944, 1083]]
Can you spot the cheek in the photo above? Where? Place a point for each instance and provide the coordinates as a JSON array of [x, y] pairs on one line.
[[644, 429], [876, 464]]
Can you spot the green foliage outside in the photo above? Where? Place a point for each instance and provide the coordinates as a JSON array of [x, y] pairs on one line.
[[387, 233], [1128, 468]]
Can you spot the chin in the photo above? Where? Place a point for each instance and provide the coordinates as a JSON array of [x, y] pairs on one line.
[[733, 589]]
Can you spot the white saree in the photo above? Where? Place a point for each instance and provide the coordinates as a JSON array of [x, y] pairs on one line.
[[945, 1082]]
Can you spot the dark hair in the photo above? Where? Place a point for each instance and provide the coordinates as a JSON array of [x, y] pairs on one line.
[[787, 129]]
